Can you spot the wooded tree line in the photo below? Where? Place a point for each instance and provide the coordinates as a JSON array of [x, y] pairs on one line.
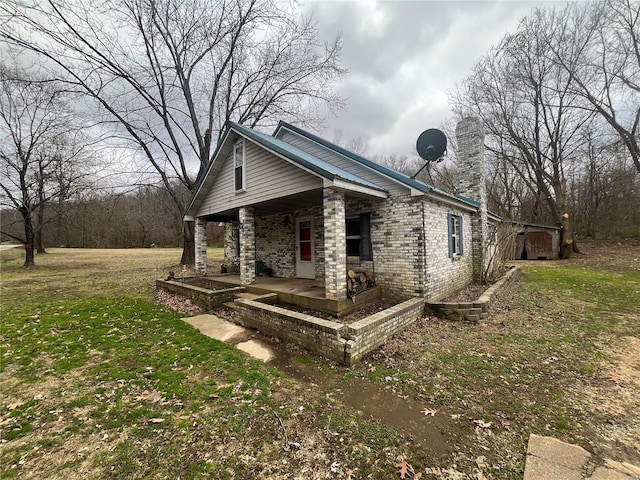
[[560, 102], [140, 218]]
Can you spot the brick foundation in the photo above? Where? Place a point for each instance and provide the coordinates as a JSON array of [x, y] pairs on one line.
[[342, 343]]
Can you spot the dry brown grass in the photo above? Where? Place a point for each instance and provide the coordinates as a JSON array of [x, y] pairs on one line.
[[87, 272]]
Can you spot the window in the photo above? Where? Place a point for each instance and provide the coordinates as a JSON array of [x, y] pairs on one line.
[[238, 162], [455, 235], [359, 237]]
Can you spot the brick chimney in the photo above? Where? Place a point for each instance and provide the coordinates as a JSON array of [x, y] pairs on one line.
[[472, 184]]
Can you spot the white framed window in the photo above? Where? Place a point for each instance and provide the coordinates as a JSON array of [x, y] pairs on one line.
[[454, 223], [239, 166]]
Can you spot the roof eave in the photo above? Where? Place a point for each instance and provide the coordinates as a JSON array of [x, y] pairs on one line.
[[347, 186]]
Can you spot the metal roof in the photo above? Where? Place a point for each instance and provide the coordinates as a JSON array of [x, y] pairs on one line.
[[302, 158], [398, 176]]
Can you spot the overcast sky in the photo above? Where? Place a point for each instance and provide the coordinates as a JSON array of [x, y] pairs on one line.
[[403, 58]]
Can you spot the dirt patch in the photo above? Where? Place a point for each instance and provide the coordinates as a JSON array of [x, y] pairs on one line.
[[611, 397], [607, 255], [469, 293]]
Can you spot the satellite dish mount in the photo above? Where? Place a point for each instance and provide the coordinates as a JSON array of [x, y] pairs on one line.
[[431, 146]]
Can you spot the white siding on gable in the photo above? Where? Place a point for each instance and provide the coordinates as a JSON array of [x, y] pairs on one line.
[[267, 177], [346, 164]]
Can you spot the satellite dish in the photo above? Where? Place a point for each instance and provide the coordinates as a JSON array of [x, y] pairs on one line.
[[431, 145]]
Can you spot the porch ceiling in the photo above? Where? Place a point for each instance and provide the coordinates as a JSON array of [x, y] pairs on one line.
[[311, 198], [290, 203]]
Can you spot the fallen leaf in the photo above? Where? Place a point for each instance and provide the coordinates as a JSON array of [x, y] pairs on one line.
[[404, 468], [156, 420], [152, 396], [482, 423], [429, 411]]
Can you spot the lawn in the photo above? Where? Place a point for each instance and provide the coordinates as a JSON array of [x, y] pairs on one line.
[[100, 381]]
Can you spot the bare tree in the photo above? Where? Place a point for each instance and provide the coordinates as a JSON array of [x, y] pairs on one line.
[[532, 115], [34, 121], [169, 74], [598, 46]]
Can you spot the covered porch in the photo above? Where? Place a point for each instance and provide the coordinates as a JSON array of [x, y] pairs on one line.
[[304, 230]]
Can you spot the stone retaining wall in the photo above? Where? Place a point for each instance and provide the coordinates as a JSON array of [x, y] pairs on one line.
[[203, 297], [474, 311], [342, 343]]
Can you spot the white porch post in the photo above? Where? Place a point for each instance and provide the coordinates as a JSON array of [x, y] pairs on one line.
[[335, 245], [201, 246], [247, 245]]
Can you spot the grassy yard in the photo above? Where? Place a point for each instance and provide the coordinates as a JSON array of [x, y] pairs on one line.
[[99, 381]]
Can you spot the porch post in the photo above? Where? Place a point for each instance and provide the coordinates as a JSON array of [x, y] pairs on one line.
[[247, 245], [201, 246], [335, 245]]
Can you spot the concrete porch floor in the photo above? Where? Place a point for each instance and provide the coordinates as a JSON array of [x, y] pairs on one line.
[[264, 285], [303, 292]]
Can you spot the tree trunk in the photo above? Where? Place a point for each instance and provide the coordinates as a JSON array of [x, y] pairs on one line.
[[38, 244], [189, 247], [566, 237], [29, 237], [39, 221]]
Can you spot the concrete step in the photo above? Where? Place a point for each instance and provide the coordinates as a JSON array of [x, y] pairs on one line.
[[246, 295], [232, 305]]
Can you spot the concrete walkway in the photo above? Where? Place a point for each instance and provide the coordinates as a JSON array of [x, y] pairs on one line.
[[243, 338], [551, 459]]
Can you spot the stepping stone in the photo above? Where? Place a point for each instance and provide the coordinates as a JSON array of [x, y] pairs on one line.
[[550, 459], [257, 350], [215, 327]]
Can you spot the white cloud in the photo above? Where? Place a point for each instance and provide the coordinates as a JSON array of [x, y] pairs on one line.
[[404, 57]]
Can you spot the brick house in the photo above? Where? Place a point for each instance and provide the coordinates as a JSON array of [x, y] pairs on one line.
[[307, 208]]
